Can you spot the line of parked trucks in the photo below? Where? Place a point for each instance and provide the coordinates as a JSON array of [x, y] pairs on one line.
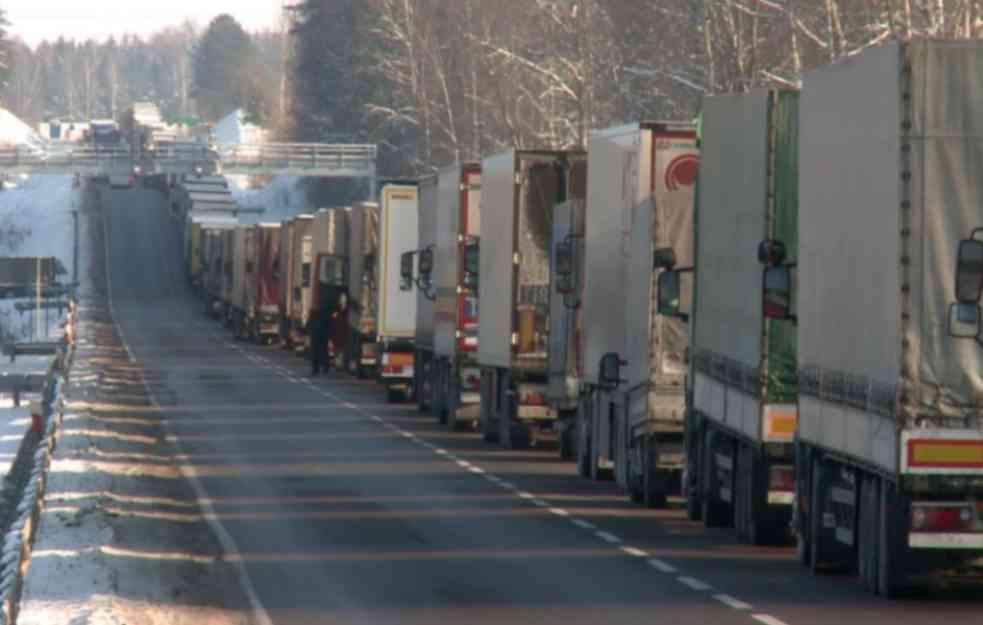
[[772, 312]]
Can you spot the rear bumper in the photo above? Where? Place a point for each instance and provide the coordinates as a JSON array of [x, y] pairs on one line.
[[946, 540]]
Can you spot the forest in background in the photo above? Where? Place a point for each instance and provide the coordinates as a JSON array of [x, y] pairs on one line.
[[437, 81]]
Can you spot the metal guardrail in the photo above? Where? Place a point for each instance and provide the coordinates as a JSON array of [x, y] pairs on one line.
[[340, 160]]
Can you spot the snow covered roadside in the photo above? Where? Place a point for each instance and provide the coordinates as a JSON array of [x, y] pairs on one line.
[[36, 220]]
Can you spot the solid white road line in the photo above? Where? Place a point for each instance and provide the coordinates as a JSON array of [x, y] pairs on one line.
[[559, 512], [661, 565], [587, 525], [729, 601], [693, 583]]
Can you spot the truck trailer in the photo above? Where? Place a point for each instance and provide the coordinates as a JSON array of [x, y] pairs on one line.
[[396, 306], [742, 419], [423, 280], [361, 354], [640, 181], [298, 283], [264, 289], [889, 473], [650, 402], [331, 285], [454, 375], [242, 294], [520, 192]]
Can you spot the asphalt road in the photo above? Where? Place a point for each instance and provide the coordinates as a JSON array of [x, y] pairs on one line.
[[340, 508]]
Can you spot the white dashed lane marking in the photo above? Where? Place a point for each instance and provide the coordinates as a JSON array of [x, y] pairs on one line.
[[661, 566], [693, 583], [634, 551], [587, 525], [731, 602], [607, 537], [767, 619]]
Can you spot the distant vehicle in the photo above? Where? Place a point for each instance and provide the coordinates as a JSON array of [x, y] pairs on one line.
[[104, 133], [121, 181]]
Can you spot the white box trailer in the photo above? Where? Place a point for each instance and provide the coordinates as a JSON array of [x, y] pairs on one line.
[[285, 268], [423, 359], [520, 192], [742, 417], [396, 306], [455, 376], [890, 455], [228, 246]]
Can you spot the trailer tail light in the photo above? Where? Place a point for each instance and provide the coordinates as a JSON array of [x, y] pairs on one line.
[[472, 382], [532, 399], [942, 518], [395, 363], [781, 484]]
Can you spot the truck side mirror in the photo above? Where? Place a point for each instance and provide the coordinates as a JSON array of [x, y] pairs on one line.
[[425, 263], [668, 297], [969, 271], [777, 295], [609, 373], [771, 252], [964, 321], [663, 258], [472, 264], [406, 271], [563, 268]]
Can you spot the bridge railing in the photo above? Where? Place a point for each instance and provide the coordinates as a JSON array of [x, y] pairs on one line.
[[298, 156]]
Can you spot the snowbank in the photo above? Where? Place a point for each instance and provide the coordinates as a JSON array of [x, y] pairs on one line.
[[36, 220], [15, 131]]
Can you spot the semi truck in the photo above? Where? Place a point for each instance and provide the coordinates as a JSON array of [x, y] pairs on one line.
[[298, 282], [566, 321], [423, 280], [743, 414], [889, 472], [396, 306], [645, 421], [630, 168], [521, 190], [213, 268], [454, 375], [196, 237], [331, 263], [263, 294], [361, 353], [227, 254], [242, 296]]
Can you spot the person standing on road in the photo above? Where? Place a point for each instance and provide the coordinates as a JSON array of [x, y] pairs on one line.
[[318, 328]]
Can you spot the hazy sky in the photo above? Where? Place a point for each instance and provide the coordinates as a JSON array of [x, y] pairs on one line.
[[35, 20]]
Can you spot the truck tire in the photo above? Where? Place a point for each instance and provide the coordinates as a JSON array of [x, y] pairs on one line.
[[748, 505], [891, 565], [715, 511], [568, 442], [583, 446], [655, 483], [868, 537]]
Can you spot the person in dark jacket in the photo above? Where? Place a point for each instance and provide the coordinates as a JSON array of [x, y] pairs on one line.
[[319, 329]]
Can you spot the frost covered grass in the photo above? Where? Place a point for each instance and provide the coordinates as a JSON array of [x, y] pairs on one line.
[[36, 220]]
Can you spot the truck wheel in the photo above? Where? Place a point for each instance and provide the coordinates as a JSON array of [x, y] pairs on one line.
[[867, 535], [568, 443], [655, 483], [583, 447], [891, 566], [715, 511]]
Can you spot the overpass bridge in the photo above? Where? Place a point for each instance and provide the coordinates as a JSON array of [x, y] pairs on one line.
[[327, 160]]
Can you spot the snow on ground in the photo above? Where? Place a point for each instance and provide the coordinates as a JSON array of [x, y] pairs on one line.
[[36, 220], [13, 130], [282, 198]]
